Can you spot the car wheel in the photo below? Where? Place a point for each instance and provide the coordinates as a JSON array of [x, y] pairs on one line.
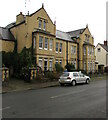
[[62, 84], [73, 82], [87, 81]]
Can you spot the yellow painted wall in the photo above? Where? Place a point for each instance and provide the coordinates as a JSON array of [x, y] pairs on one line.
[[72, 56], [7, 46], [23, 32], [82, 57], [61, 56]]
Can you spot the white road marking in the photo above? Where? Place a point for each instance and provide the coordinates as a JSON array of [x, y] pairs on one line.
[[5, 108], [66, 94]]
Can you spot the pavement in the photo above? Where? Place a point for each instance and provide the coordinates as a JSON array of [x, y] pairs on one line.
[[14, 85]]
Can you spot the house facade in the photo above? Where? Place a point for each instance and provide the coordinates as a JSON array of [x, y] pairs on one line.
[[51, 46], [101, 52], [85, 49]]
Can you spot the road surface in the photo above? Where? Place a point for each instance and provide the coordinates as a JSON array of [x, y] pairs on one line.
[[81, 101]]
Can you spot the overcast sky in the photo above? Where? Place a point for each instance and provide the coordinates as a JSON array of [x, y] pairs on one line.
[[69, 14]]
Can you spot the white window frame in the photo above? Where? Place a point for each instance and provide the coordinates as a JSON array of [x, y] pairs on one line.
[[88, 66], [41, 65], [34, 42], [44, 25], [87, 38], [84, 50], [57, 44], [40, 42], [50, 44], [40, 24], [90, 50], [60, 50], [75, 64], [50, 65], [46, 43], [74, 49], [60, 62], [56, 61], [46, 60], [93, 51]]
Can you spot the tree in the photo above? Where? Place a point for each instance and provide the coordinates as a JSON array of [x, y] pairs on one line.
[[70, 67]]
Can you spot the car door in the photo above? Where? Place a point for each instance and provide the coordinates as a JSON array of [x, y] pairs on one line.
[[76, 77], [82, 77]]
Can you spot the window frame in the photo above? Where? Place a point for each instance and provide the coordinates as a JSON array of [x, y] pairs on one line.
[[57, 44], [51, 67], [45, 60], [40, 38], [50, 44], [40, 24], [34, 42], [44, 25], [40, 59], [46, 44], [60, 49]]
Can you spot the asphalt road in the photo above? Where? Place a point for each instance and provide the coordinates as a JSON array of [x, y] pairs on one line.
[[81, 101]]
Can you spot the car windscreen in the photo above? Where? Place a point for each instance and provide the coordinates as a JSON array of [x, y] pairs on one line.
[[65, 74]]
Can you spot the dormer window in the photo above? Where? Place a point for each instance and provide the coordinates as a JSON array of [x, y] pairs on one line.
[[87, 38], [40, 24]]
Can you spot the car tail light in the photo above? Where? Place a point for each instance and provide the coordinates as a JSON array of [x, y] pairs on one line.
[[68, 78]]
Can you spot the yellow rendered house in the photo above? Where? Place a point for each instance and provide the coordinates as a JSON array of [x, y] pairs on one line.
[[51, 46], [85, 49]]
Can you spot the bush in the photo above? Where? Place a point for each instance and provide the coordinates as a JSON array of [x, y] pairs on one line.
[[70, 67], [58, 68], [19, 61]]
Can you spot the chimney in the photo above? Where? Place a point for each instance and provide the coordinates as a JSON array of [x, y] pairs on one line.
[[42, 5], [19, 18], [106, 43], [86, 25], [20, 13]]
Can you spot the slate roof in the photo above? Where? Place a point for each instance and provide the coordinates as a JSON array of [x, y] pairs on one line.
[[5, 34], [76, 33], [63, 35], [11, 25], [105, 47], [87, 43]]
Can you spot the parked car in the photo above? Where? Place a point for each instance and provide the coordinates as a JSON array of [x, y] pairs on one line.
[[73, 78]]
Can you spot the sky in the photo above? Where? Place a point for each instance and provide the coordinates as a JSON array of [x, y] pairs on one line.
[[69, 14]]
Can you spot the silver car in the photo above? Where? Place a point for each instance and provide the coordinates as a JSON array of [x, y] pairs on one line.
[[73, 78]]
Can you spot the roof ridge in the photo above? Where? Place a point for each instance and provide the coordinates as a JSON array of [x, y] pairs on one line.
[[76, 30], [61, 31]]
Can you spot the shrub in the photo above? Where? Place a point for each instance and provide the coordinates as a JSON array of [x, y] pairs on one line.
[[19, 61], [70, 67], [58, 68]]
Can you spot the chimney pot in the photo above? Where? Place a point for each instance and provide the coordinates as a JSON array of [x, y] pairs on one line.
[[42, 5], [105, 43]]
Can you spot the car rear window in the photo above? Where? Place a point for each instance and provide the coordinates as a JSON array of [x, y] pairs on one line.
[[65, 74]]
